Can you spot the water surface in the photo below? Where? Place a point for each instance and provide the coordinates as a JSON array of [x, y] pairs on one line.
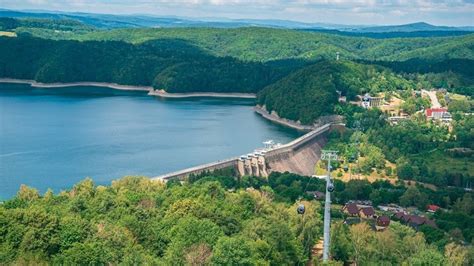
[[53, 138]]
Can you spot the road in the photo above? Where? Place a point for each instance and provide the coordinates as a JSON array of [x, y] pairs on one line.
[[434, 99]]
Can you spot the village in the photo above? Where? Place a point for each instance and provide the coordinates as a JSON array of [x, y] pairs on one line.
[[432, 104], [379, 217]]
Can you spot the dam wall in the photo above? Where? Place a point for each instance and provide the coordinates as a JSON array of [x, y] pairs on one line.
[[210, 167], [298, 156]]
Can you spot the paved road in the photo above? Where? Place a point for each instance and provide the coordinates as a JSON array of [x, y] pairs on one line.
[[433, 98]]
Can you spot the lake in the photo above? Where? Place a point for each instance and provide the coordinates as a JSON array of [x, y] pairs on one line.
[[55, 137]]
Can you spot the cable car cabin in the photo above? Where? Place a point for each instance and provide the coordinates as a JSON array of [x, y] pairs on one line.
[[346, 168]]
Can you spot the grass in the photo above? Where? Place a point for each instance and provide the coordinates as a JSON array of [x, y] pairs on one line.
[[457, 97], [441, 162]]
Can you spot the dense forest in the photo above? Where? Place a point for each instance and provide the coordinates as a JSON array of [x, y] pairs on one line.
[[137, 221], [173, 65], [219, 220], [267, 44]]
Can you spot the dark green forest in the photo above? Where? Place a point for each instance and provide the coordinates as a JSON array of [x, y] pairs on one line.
[[173, 65]]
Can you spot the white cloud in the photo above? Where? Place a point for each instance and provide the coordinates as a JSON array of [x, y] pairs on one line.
[[450, 12]]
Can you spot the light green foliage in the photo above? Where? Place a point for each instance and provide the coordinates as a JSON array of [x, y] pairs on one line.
[[234, 251], [429, 256], [463, 106], [137, 221], [187, 232], [414, 104], [396, 245]]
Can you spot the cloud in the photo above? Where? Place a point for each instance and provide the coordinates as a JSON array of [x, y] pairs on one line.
[[448, 12]]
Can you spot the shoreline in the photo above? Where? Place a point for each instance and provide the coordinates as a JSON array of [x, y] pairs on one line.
[[272, 117], [282, 121], [164, 94], [36, 84], [151, 90]]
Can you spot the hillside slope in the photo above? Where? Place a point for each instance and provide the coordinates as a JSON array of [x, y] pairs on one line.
[[172, 65], [311, 92], [257, 43]]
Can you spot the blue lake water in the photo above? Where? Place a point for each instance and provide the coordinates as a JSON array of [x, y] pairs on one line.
[[53, 138]]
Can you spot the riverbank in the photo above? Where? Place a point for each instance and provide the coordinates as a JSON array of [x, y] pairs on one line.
[[76, 84], [282, 121], [162, 93], [152, 92]]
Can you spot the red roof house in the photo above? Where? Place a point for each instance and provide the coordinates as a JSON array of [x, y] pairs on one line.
[[382, 222], [437, 113], [351, 209], [432, 208], [367, 212]]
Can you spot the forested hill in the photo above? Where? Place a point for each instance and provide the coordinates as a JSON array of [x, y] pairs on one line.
[[266, 44], [311, 92], [170, 64], [257, 43]]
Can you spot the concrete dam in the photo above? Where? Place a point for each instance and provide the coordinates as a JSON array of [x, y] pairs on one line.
[[298, 156]]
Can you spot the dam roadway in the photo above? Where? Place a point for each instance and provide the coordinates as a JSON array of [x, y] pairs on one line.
[[298, 156]]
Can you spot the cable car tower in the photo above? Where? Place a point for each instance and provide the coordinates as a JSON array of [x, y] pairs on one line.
[[327, 155]]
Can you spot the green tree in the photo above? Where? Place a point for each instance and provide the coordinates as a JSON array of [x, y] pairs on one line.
[[342, 248], [428, 256], [233, 251]]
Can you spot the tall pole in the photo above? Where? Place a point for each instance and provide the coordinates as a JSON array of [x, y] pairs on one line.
[[327, 155]]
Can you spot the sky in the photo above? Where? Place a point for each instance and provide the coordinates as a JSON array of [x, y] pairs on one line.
[[356, 12]]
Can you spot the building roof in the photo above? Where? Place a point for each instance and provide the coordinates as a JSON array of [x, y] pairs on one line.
[[351, 208], [383, 220], [368, 211], [400, 216], [433, 208], [430, 111], [417, 220]]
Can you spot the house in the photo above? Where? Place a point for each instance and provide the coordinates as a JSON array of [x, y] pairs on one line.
[[369, 101], [382, 222], [437, 113], [432, 208], [351, 209], [414, 221], [367, 212]]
